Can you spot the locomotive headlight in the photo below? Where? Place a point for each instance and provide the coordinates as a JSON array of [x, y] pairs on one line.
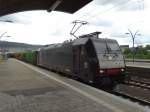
[[101, 71], [110, 58], [122, 70]]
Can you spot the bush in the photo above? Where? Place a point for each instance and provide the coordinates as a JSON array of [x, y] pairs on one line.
[[127, 51], [148, 55], [140, 52], [128, 55]]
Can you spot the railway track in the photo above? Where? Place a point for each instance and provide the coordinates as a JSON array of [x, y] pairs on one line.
[[139, 72], [137, 83], [127, 95], [132, 98]]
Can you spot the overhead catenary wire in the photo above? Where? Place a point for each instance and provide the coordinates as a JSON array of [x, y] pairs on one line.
[[89, 17], [2, 34], [101, 11], [105, 11], [115, 6]]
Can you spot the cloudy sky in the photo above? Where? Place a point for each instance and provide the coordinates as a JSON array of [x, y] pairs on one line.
[[112, 17]]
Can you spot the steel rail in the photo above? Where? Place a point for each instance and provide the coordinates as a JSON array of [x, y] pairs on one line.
[[132, 98], [137, 83]]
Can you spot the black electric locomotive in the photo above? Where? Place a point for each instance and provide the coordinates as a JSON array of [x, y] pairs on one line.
[[89, 58]]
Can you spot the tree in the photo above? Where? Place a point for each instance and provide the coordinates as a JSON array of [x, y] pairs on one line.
[[127, 51], [147, 47], [142, 50]]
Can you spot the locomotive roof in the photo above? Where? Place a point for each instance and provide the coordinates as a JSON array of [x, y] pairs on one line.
[[84, 38], [91, 35], [52, 46], [105, 39], [55, 45], [80, 41]]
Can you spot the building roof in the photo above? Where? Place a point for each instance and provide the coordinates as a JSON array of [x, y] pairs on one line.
[[13, 6]]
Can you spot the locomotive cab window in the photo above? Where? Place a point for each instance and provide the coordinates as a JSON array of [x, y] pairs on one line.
[[113, 46], [100, 46], [106, 46]]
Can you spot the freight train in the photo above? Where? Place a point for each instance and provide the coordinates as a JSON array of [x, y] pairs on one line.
[[89, 58]]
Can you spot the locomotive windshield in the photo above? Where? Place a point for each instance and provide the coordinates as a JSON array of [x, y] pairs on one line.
[[100, 46], [106, 46]]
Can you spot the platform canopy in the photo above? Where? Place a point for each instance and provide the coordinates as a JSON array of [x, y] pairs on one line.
[[13, 6]]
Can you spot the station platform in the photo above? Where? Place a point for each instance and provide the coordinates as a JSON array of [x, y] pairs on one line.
[[26, 88], [138, 64], [138, 60]]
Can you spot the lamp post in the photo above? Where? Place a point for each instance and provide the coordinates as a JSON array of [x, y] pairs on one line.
[[3, 52], [133, 35], [7, 21], [3, 35]]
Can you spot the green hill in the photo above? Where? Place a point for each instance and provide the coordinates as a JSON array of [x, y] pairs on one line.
[[17, 47]]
